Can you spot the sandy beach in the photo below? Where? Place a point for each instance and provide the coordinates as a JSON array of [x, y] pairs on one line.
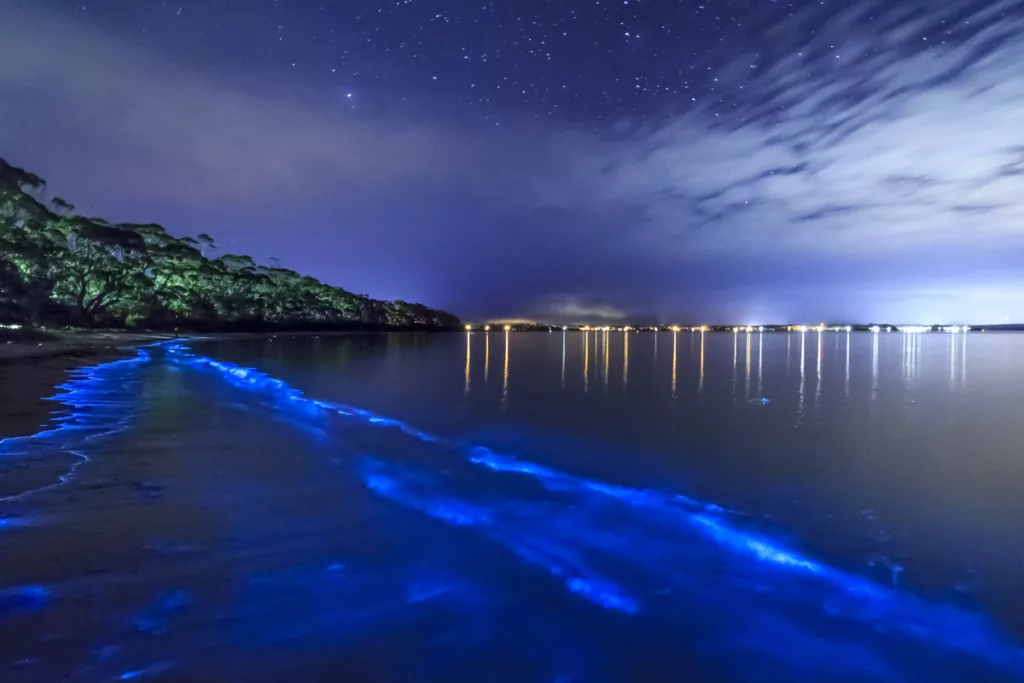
[[30, 371]]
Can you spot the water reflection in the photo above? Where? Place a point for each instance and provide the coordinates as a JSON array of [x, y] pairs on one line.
[[874, 366], [607, 358], [563, 359], [504, 386], [800, 398], [468, 347], [789, 346], [911, 354], [817, 388], [735, 348], [674, 337], [918, 349], [760, 364], [747, 388], [586, 360], [625, 358], [393, 347], [907, 357], [952, 361], [700, 385], [903, 357], [847, 383], [963, 360], [810, 399]]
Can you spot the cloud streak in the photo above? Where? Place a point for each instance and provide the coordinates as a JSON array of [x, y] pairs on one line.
[[871, 137], [573, 310]]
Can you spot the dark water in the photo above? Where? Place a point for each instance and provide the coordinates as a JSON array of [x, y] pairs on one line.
[[560, 507]]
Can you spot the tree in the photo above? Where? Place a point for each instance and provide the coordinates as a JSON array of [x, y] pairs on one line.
[[57, 265]]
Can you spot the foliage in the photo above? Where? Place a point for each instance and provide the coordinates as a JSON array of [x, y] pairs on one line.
[[59, 267]]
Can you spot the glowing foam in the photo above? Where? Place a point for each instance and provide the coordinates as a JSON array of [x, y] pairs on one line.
[[94, 406], [576, 578]]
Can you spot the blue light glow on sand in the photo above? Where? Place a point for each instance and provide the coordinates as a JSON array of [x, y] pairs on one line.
[[95, 405], [686, 564]]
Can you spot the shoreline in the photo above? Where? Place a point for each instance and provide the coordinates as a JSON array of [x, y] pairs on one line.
[[31, 371]]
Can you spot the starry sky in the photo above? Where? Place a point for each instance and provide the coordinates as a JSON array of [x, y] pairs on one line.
[[749, 161]]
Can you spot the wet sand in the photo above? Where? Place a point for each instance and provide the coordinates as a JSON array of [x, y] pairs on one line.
[[27, 384], [30, 373]]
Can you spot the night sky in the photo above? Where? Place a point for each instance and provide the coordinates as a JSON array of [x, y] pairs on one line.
[[743, 161]]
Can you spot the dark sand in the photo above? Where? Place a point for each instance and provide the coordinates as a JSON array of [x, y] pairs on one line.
[[31, 372], [25, 387]]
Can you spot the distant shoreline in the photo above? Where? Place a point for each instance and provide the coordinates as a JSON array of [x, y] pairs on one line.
[[83, 342]]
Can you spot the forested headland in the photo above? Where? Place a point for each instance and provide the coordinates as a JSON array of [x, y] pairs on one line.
[[61, 269]]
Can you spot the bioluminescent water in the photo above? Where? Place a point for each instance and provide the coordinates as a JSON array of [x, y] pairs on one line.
[[561, 507]]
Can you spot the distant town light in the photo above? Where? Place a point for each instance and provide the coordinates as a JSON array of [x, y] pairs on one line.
[[564, 328], [469, 328], [876, 329], [487, 328], [508, 327]]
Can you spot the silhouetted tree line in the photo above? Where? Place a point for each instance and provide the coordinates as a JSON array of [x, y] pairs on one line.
[[57, 267]]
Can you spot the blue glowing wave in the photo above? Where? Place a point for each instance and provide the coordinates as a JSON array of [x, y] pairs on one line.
[[95, 405], [254, 380], [677, 550], [705, 517], [668, 556], [531, 548]]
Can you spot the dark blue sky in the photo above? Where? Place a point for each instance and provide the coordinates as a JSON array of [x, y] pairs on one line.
[[727, 161]]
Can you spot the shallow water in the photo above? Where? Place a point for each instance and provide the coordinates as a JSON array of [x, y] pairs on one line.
[[524, 506]]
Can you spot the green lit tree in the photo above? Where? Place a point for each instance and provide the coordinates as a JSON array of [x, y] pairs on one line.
[[59, 267]]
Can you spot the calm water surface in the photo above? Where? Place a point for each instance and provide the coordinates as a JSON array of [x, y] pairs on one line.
[[525, 506]]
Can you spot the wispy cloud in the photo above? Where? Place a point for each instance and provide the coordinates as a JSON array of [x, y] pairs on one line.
[[573, 310], [879, 133]]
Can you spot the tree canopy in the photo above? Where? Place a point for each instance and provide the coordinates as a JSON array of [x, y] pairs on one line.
[[57, 267]]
